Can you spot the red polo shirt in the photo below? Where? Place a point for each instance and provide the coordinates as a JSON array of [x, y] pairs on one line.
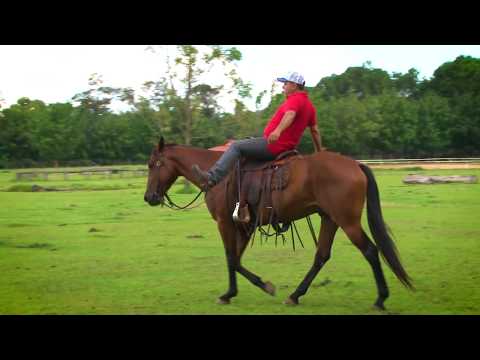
[[305, 116]]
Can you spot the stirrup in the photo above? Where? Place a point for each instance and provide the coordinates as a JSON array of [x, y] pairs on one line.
[[244, 217]]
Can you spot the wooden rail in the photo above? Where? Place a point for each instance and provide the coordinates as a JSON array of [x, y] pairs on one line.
[[29, 175], [429, 160], [428, 163]]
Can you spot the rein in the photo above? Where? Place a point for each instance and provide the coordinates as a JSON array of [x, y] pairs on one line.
[[174, 206]]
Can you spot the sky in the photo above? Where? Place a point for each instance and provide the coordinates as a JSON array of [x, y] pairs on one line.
[[55, 73]]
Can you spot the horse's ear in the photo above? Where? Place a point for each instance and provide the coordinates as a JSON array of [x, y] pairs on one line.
[[161, 144]]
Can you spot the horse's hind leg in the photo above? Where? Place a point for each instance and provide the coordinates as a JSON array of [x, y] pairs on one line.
[[324, 246], [361, 240]]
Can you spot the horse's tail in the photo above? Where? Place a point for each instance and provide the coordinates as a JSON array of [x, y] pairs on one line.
[[380, 231]]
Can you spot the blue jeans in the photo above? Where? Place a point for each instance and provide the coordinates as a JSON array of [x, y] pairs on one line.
[[255, 148]]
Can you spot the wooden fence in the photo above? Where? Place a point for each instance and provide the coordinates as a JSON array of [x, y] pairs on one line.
[[428, 162], [44, 174]]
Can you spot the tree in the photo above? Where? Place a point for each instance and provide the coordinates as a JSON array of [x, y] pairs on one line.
[[184, 89], [398, 130], [206, 97], [457, 78], [406, 84], [96, 99], [94, 118], [144, 130], [185, 93], [55, 139], [359, 81], [434, 127], [459, 82], [18, 129], [340, 123]]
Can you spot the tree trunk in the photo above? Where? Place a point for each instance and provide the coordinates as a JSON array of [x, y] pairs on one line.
[[188, 122]]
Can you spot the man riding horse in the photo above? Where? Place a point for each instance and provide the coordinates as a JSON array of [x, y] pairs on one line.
[[325, 183], [282, 133]]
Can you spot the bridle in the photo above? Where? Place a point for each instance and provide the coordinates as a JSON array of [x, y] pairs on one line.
[[170, 204]]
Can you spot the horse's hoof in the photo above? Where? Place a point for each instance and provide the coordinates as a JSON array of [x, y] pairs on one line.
[[269, 288], [379, 307], [221, 301], [290, 301]]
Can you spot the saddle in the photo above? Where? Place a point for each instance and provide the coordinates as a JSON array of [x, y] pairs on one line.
[[256, 180]]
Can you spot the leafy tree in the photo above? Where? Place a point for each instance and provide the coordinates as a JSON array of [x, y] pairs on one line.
[[459, 82], [19, 128], [457, 78], [55, 139], [183, 92], [398, 129], [359, 81], [406, 84], [433, 132]]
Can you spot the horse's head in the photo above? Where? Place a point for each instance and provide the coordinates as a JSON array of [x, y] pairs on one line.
[[161, 175]]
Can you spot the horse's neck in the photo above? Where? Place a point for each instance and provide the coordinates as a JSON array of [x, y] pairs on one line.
[[185, 157]]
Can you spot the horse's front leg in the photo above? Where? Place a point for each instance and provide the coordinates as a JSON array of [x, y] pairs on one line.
[[235, 242], [242, 241], [227, 232]]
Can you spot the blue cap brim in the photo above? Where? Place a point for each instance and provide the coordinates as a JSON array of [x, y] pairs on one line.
[[282, 79]]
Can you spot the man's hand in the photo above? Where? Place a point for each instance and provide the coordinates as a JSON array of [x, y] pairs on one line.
[[273, 137]]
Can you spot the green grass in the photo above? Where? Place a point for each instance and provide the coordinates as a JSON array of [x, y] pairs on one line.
[[107, 252]]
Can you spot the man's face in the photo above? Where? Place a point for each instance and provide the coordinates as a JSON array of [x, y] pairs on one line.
[[289, 87]]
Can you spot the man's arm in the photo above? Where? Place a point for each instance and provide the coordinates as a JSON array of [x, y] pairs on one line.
[[284, 123], [317, 140]]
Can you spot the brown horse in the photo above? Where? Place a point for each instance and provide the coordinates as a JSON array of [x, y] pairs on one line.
[[332, 185]]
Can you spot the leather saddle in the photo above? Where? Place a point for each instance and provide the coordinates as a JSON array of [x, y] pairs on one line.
[[257, 181]]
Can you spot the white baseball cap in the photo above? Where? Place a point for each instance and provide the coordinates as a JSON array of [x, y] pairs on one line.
[[293, 77]]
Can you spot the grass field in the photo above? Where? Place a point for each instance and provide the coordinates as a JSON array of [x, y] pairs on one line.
[[97, 248]]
